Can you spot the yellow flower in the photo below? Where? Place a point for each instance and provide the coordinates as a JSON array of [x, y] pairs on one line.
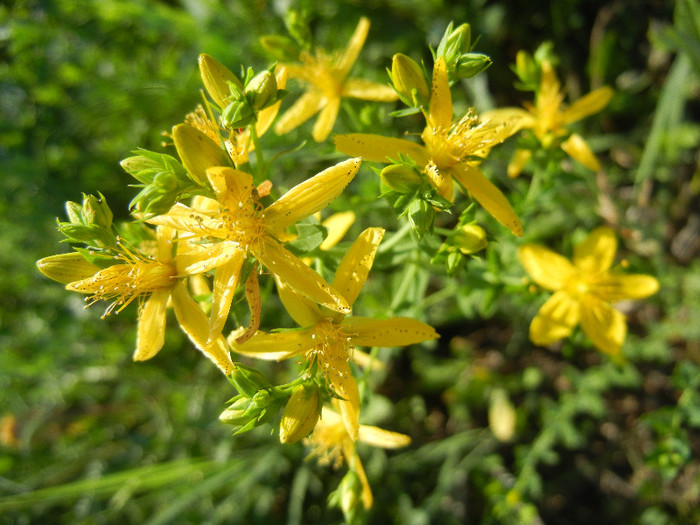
[[332, 444], [548, 120], [153, 280], [451, 150], [327, 83], [236, 225], [327, 339], [583, 291]]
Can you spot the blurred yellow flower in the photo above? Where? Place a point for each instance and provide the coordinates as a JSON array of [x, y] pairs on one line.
[[451, 150], [583, 291], [327, 339], [236, 225], [548, 120], [154, 281], [332, 444], [327, 83]]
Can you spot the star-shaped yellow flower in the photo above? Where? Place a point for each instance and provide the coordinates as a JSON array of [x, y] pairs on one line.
[[450, 152], [236, 225], [154, 281], [583, 291], [548, 120], [327, 83], [332, 444], [328, 338]]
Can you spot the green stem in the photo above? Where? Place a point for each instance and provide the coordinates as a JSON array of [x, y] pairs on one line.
[[260, 161]]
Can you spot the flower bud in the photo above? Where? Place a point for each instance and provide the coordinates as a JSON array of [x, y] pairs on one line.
[[96, 212], [401, 178], [67, 267], [280, 47], [471, 64], [470, 238], [501, 415], [409, 81], [300, 414], [238, 114], [197, 151], [248, 381], [454, 43], [261, 91], [216, 79], [237, 413]]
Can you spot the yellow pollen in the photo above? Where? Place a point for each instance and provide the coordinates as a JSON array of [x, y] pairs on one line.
[[122, 283]]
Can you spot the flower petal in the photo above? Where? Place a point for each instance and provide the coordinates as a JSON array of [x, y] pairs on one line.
[[226, 278], [596, 253], [587, 105], [397, 331], [267, 116], [195, 324], [310, 196], [231, 186], [378, 437], [440, 115], [353, 269], [368, 90], [516, 118], [302, 110], [488, 195], [441, 180], [303, 311], [556, 319], [337, 226], [616, 287], [376, 148], [578, 149], [151, 325], [547, 268], [604, 325], [352, 50], [275, 346], [517, 163], [345, 386], [326, 119], [296, 274]]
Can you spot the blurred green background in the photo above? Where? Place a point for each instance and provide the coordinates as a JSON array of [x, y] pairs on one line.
[[88, 436]]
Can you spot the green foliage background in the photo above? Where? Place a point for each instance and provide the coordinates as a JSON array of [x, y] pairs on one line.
[[88, 436]]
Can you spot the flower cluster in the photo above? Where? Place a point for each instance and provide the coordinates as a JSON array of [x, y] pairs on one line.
[[208, 226]]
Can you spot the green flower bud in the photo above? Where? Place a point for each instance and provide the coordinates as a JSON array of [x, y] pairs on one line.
[[96, 211], [454, 44], [409, 81], [422, 216], [74, 212], [401, 178], [237, 413], [238, 114], [301, 413], [261, 91], [248, 381], [67, 267], [471, 64], [470, 238], [138, 165]]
